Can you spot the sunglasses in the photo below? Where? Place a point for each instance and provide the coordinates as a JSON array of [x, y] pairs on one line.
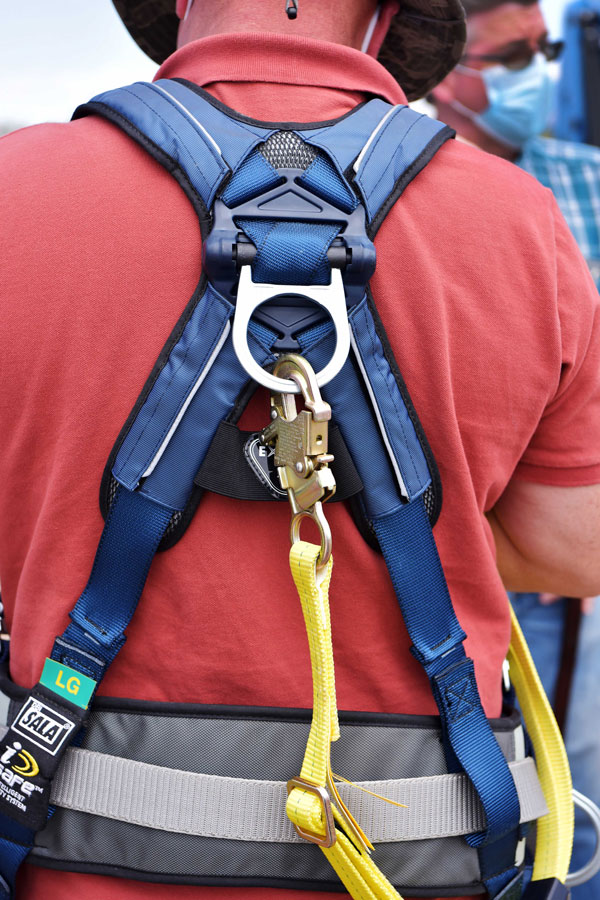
[[520, 55]]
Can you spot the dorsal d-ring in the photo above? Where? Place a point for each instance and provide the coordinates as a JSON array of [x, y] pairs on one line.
[[252, 294]]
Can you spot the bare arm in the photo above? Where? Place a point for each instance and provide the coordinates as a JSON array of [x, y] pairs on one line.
[[548, 538]]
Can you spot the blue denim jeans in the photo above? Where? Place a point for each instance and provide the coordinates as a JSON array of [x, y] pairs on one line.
[[543, 628]]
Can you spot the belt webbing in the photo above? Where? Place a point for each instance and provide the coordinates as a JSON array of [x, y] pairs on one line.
[[247, 809]]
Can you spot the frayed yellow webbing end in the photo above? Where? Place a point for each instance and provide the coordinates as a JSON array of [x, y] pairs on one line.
[[367, 791]]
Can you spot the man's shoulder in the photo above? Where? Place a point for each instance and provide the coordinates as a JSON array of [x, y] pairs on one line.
[[466, 184], [63, 183], [51, 142], [53, 160], [471, 164]]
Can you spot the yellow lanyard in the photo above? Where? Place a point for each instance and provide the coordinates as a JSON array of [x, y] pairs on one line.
[[314, 806], [554, 838]]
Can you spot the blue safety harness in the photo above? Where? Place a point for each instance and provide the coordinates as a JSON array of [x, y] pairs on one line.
[[298, 225]]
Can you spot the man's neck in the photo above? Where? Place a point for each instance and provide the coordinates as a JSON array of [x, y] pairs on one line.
[[340, 23]]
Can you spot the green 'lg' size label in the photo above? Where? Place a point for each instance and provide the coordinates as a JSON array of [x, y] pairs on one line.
[[68, 683]]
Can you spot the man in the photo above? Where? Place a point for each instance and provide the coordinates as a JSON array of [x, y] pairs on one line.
[[498, 98], [101, 251]]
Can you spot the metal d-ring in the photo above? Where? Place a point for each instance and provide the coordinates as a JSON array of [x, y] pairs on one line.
[[252, 294], [318, 517], [591, 868]]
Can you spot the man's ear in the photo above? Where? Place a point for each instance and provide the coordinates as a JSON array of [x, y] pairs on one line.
[[445, 91]]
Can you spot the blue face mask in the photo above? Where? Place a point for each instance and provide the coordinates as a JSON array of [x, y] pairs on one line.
[[519, 101]]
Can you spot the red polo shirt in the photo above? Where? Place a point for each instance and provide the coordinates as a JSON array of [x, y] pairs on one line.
[[493, 319]]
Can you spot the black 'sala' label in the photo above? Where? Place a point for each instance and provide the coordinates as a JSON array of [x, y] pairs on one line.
[[43, 726], [30, 754]]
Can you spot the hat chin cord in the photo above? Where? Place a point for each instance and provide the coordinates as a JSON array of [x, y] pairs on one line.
[[291, 9], [371, 30]]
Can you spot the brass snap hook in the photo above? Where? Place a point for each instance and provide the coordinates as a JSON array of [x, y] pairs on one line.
[[318, 517]]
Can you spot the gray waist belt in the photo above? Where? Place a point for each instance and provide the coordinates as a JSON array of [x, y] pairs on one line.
[[251, 810], [190, 794]]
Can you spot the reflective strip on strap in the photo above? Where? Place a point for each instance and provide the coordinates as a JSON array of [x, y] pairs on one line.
[[251, 810]]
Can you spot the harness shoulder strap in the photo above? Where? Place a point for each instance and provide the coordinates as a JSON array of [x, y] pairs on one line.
[[399, 145], [187, 134]]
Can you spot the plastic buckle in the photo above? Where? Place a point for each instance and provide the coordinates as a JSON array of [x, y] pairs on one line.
[[226, 250], [330, 837]]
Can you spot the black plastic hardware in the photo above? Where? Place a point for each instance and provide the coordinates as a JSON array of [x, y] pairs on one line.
[[226, 248], [287, 317], [291, 8], [547, 889], [244, 251]]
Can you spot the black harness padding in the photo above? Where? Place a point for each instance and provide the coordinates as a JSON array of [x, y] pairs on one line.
[[226, 469]]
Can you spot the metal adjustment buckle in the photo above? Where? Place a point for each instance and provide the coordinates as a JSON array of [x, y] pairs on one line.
[[329, 838]]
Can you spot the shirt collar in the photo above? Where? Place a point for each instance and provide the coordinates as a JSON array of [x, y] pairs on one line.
[[281, 60]]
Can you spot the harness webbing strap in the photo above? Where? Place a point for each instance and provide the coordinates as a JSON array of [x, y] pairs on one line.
[[289, 252], [173, 390], [190, 396], [247, 809], [197, 138], [130, 538], [379, 434], [406, 540], [89, 644], [408, 546], [405, 142]]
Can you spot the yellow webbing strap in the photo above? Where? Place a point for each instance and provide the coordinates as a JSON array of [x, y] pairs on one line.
[[314, 805], [554, 831], [308, 810]]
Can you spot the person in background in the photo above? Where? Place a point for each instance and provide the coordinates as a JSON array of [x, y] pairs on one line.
[[499, 98]]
